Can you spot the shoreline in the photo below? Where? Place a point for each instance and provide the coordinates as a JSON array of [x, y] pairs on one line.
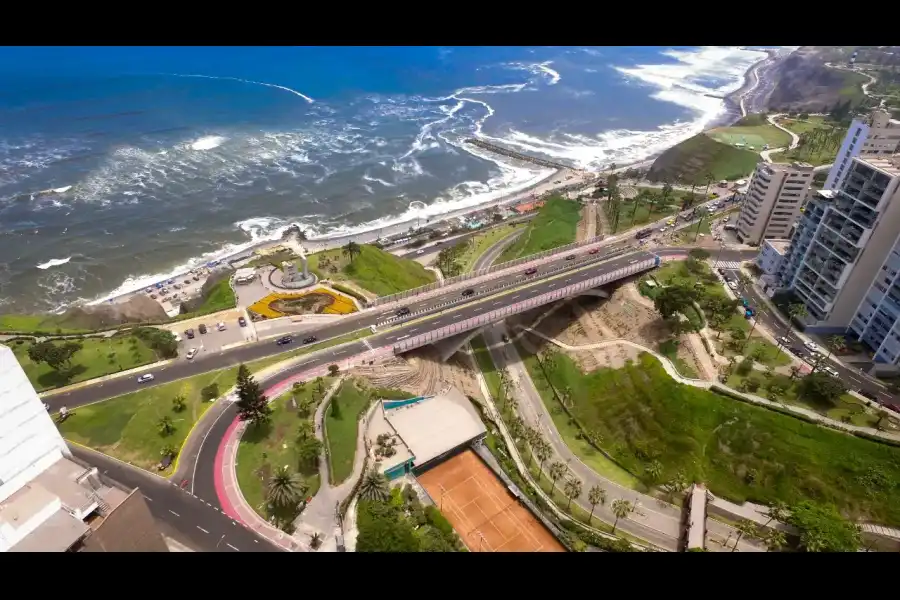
[[539, 187]]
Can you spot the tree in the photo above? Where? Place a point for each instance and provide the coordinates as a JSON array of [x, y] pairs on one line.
[[795, 371], [676, 485], [557, 470], [178, 403], [709, 177], [572, 489], [823, 529], [745, 527], [797, 311], [252, 404], [653, 470], [374, 486], [703, 213], [56, 357], [165, 426], [822, 387], [210, 392], [673, 299], [333, 370], [351, 249], [621, 509], [836, 343], [285, 489], [516, 427], [543, 453], [169, 451], [308, 451], [382, 528], [335, 408], [596, 495], [315, 540], [775, 540]]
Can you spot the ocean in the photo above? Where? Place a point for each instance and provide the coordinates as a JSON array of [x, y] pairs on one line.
[[121, 165]]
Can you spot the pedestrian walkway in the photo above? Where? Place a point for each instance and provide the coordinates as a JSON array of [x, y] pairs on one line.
[[728, 264]]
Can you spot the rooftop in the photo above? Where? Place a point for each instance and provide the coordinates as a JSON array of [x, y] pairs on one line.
[[886, 164], [435, 425], [378, 425], [56, 534], [780, 246]]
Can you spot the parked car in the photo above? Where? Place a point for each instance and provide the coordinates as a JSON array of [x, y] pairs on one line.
[[832, 371], [220, 326], [531, 271], [570, 257], [202, 329], [402, 311], [310, 339], [284, 340], [467, 293], [191, 353], [593, 250], [797, 350], [242, 321], [811, 346], [866, 394], [784, 341], [145, 378], [733, 285], [189, 334], [721, 272]]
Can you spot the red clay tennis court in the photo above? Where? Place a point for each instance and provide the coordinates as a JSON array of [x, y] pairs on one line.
[[484, 513]]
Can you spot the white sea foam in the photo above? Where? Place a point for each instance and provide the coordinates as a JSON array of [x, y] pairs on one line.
[[62, 190], [208, 142], [367, 177], [271, 85], [54, 262]]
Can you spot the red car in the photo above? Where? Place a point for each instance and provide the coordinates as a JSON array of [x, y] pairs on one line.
[[594, 251], [531, 271]]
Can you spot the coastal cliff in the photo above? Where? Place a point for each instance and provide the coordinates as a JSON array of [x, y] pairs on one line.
[[806, 83]]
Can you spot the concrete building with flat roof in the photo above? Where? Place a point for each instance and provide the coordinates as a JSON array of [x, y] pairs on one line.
[[877, 135], [773, 200], [49, 501], [771, 253], [427, 430]]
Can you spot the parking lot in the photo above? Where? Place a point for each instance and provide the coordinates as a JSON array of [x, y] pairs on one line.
[[213, 340]]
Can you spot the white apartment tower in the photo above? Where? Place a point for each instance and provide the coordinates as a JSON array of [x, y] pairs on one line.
[[775, 195], [876, 135], [845, 256]]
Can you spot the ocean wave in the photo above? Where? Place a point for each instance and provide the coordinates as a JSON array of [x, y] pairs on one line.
[[537, 69], [208, 142], [54, 262], [271, 85]]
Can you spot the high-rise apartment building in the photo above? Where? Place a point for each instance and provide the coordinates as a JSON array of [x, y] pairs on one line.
[[50, 501], [876, 135], [844, 256], [773, 201]]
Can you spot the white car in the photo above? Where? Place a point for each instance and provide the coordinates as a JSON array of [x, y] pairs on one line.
[[832, 371], [733, 285], [191, 353], [145, 378], [811, 346], [220, 326], [784, 341]]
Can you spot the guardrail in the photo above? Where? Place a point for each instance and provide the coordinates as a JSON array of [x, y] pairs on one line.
[[519, 307], [450, 281], [500, 286]]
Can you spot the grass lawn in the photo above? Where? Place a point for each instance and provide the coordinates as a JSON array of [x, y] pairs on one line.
[[742, 452], [752, 135], [342, 430], [97, 357], [803, 126], [554, 226], [760, 349], [637, 212], [692, 232], [263, 449], [125, 427], [669, 349], [51, 324], [373, 269], [220, 297], [690, 160], [479, 244]]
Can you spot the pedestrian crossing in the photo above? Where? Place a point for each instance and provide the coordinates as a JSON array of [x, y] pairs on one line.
[[728, 264]]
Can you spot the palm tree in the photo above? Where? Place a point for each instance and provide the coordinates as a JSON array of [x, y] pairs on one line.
[[620, 508], [836, 343], [165, 425], [745, 527], [653, 470], [178, 403], [516, 427], [702, 212], [557, 470], [543, 452], [709, 179], [666, 190], [285, 488], [352, 249], [596, 495], [778, 511], [795, 370], [798, 311], [775, 540], [572, 490], [374, 486], [315, 540]]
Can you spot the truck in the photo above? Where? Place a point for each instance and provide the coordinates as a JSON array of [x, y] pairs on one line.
[[643, 233]]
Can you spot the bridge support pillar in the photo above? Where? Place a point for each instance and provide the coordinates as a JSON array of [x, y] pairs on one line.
[[599, 292], [447, 347]]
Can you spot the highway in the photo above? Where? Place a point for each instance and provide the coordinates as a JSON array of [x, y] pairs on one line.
[[853, 378], [190, 520]]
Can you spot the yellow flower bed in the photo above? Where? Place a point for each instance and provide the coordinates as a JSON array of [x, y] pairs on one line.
[[342, 305]]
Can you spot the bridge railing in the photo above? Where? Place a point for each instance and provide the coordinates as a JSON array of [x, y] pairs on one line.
[[519, 307], [526, 260]]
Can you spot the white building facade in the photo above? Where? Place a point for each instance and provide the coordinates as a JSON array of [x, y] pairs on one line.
[[773, 201], [771, 255], [876, 135]]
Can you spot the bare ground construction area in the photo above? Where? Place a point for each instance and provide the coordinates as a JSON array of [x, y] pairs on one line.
[[422, 372], [590, 320]]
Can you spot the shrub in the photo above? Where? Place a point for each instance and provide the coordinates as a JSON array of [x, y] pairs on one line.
[[210, 392], [438, 521]]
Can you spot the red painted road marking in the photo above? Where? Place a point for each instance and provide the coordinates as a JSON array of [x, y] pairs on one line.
[[227, 507]]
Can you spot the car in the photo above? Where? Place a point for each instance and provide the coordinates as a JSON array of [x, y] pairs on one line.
[[418, 252], [531, 271], [145, 378], [46, 406], [811, 346], [284, 340], [191, 353], [310, 339], [733, 285], [220, 326], [797, 350], [242, 321], [202, 329], [189, 334], [832, 371], [505, 338], [866, 394], [402, 311], [467, 293], [721, 272], [594, 251], [784, 341], [745, 303], [570, 257]]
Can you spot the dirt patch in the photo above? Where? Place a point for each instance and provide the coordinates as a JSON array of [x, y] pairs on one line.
[[303, 305], [421, 372]]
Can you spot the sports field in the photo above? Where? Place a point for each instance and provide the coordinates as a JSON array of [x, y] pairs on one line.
[[484, 513]]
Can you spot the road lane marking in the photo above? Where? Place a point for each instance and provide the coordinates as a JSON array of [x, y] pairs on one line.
[[201, 529], [145, 497], [174, 513], [479, 309], [416, 329], [459, 316], [232, 547], [516, 296], [402, 338]]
